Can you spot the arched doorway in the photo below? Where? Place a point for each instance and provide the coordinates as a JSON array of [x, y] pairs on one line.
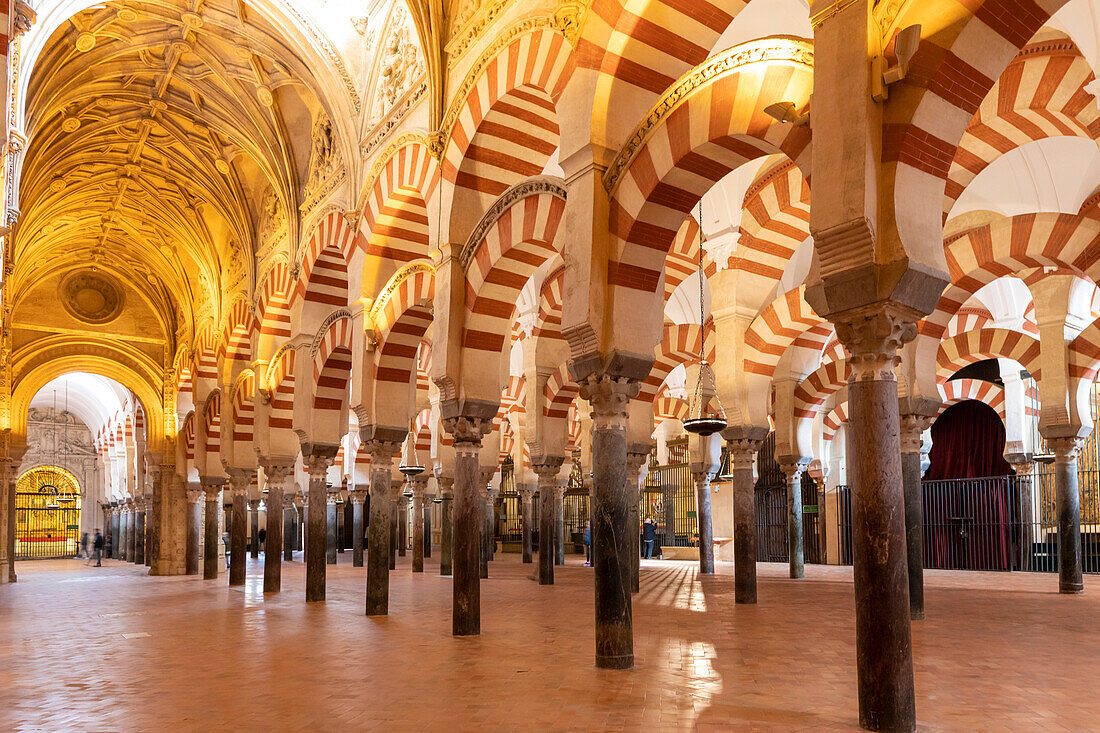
[[47, 514]]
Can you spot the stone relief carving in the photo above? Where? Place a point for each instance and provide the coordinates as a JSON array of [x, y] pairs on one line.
[[401, 64], [272, 224], [324, 156]]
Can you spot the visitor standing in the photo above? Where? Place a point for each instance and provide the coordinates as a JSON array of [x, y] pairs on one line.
[[649, 538], [83, 546], [262, 534], [97, 546], [587, 544]]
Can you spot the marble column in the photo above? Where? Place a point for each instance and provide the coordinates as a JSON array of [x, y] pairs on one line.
[[402, 525], [332, 500], [149, 530], [559, 522], [611, 543], [300, 521], [1067, 502], [317, 459], [379, 528], [239, 480], [636, 457], [428, 499], [139, 533], [116, 532], [796, 549], [527, 518], [669, 493], [254, 528], [547, 472], [742, 455], [419, 489], [211, 538], [131, 532], [15, 453], [884, 655], [485, 517], [391, 500], [357, 498], [706, 526], [491, 523], [467, 433], [912, 426], [446, 529], [280, 487]]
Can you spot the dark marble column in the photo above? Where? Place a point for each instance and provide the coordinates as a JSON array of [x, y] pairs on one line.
[[116, 531], [547, 471], [280, 488], [742, 454], [15, 453], [911, 428], [300, 510], [419, 489], [884, 656], [290, 525], [238, 528], [795, 544], [559, 523], [254, 528], [636, 457], [1068, 512], [331, 512], [317, 459], [446, 529], [391, 519], [194, 531], [428, 499], [382, 450], [139, 534], [356, 498], [527, 518], [706, 527], [131, 532], [485, 475], [211, 536], [150, 527], [402, 524], [611, 542], [469, 526]]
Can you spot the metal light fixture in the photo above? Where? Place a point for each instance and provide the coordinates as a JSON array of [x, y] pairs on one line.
[[701, 421]]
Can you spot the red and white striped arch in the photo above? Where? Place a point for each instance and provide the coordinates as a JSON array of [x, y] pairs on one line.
[[324, 274], [280, 382], [395, 209], [235, 347], [548, 324], [212, 424], [422, 435], [1009, 246], [717, 127], [834, 418], [960, 390], [682, 260], [522, 239], [1040, 95], [559, 393], [273, 306], [332, 373], [507, 127], [775, 220], [206, 356], [968, 318], [400, 326], [679, 345], [987, 343], [811, 394], [788, 323], [242, 452]]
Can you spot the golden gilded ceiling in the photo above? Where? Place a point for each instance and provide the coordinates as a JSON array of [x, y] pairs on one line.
[[164, 137]]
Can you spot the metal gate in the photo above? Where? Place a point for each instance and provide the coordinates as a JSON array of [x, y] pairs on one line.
[[47, 514]]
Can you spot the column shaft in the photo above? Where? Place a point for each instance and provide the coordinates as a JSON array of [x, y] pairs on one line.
[[527, 517], [254, 522], [237, 538], [744, 523], [706, 528], [139, 538], [273, 559], [402, 525], [914, 526], [795, 544], [546, 531], [670, 515], [379, 529], [330, 533], [394, 537], [427, 527], [1068, 510], [446, 530], [467, 540], [357, 530], [418, 531], [194, 533], [211, 539], [559, 526], [611, 547], [290, 513]]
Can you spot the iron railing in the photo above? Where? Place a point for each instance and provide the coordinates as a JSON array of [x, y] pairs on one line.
[[44, 530]]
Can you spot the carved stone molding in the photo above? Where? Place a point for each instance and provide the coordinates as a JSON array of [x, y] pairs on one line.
[[467, 432], [548, 469], [381, 454], [534, 186], [1064, 449], [469, 25], [873, 336], [395, 282], [786, 49], [317, 459], [743, 453], [194, 496], [332, 318]]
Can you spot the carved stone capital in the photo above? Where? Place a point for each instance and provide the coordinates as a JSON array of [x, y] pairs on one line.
[[873, 336], [23, 17], [318, 459], [1064, 449], [912, 427], [610, 399], [793, 470], [548, 470], [446, 486], [743, 452], [486, 473], [212, 485], [381, 454], [194, 496], [559, 491], [280, 476], [467, 432]]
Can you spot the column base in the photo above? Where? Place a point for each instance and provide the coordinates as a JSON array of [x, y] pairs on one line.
[[622, 662], [1071, 589]]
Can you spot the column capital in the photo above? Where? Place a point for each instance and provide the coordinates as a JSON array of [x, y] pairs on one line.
[[912, 427], [548, 468], [467, 433], [526, 494], [559, 490], [793, 469], [254, 503], [1065, 448], [873, 334], [446, 486], [212, 484], [357, 496], [194, 496], [610, 399], [317, 458], [239, 480]]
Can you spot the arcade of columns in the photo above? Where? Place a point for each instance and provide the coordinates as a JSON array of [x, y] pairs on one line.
[[459, 232]]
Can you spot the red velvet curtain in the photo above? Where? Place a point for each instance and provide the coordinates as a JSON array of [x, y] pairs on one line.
[[968, 524], [968, 441]]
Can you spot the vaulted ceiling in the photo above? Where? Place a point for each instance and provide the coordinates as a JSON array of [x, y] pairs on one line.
[[166, 138]]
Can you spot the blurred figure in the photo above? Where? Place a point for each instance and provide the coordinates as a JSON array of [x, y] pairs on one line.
[[83, 546], [587, 544], [97, 547], [649, 538]]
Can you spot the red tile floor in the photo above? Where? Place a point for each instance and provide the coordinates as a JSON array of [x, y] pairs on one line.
[[109, 648]]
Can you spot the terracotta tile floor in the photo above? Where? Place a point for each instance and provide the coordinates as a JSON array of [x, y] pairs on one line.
[[111, 649]]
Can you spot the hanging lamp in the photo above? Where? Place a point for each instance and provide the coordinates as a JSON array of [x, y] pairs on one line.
[[701, 420]]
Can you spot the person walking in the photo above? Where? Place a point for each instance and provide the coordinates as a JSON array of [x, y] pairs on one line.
[[262, 535], [587, 544], [83, 546], [649, 538], [97, 547]]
